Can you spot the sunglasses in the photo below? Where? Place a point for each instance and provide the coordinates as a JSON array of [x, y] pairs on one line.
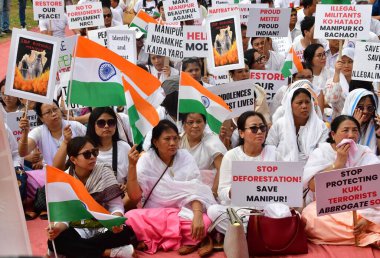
[[101, 123], [87, 154], [369, 108], [109, 15], [255, 129]]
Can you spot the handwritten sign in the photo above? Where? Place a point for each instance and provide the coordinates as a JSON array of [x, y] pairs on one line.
[[255, 184], [48, 10], [367, 67], [342, 21], [123, 43], [181, 10], [347, 189], [268, 22], [195, 41], [85, 15], [271, 81], [13, 118]]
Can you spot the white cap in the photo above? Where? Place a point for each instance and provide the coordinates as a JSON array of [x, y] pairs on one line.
[[139, 33], [349, 52]]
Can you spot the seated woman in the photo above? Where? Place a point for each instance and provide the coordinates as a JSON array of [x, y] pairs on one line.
[[167, 182], [299, 131], [103, 187], [362, 104], [252, 133], [206, 148], [338, 229]]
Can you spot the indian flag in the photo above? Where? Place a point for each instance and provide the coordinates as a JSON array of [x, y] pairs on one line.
[[336, 1], [292, 64], [141, 21], [68, 200], [194, 98]]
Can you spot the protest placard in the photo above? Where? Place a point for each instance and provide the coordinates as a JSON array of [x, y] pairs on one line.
[[32, 66], [13, 118], [367, 67], [66, 52], [164, 41], [255, 184], [342, 21], [181, 10], [99, 36], [221, 77], [221, 2], [271, 81], [282, 45], [244, 11], [123, 43], [239, 96], [89, 14], [48, 10], [268, 22], [195, 41], [347, 189], [225, 42]]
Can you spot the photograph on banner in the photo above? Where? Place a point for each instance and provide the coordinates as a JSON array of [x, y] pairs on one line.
[[342, 21], [164, 41], [181, 10], [123, 43], [48, 10], [271, 81], [221, 77], [66, 51], [32, 66], [224, 37], [347, 189], [195, 41], [367, 68], [256, 184], [89, 14], [239, 96], [13, 118], [268, 22]]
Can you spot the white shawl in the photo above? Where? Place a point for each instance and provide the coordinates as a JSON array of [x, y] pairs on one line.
[[367, 137]]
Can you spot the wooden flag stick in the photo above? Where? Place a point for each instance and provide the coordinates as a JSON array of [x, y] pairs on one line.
[[26, 108], [355, 218], [340, 49]]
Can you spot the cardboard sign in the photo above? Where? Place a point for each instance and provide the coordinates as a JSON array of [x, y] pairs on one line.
[[222, 9], [268, 22], [271, 81], [181, 10], [282, 45], [244, 11], [347, 189], [123, 43], [221, 77], [13, 118], [224, 37], [99, 36], [85, 15], [66, 53], [32, 66], [164, 41], [195, 41], [48, 10], [342, 21], [239, 96], [367, 67], [255, 184]]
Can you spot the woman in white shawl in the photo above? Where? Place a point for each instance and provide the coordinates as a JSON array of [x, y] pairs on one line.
[[340, 151], [167, 181], [299, 131], [362, 104]]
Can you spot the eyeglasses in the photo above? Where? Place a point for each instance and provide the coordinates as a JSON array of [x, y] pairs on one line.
[[321, 55], [101, 123], [191, 123], [368, 108], [260, 59], [109, 15], [87, 154], [51, 111], [255, 129]]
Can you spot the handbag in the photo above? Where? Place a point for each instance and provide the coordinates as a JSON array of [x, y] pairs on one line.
[[276, 236], [39, 202], [235, 242]]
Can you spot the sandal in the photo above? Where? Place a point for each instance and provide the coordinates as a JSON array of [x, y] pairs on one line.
[[30, 215], [207, 246], [43, 215], [187, 249]]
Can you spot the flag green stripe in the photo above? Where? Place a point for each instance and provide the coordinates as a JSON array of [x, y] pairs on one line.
[[194, 106], [286, 69], [97, 94], [133, 118]]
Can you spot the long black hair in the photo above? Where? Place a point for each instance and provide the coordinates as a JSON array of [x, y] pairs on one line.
[[309, 53]]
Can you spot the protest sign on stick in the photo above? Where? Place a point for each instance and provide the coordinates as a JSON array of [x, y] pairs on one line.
[[195, 41], [99, 36], [367, 67], [268, 22], [271, 81], [66, 52], [181, 10], [32, 66], [48, 10], [13, 118], [255, 184], [89, 14], [342, 21]]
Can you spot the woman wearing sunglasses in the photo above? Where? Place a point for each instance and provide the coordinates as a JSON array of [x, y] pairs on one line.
[[88, 238], [253, 130], [299, 131], [362, 105]]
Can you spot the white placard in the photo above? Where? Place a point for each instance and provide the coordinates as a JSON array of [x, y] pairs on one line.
[[268, 22], [271, 81], [99, 36], [342, 21], [181, 10], [48, 10], [282, 45], [89, 14], [244, 10], [221, 77], [164, 41], [123, 43], [195, 41], [367, 67], [13, 118], [239, 96], [66, 53], [255, 184]]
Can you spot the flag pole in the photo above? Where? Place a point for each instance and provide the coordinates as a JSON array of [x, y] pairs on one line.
[[355, 218], [26, 108], [340, 49], [179, 88], [71, 81], [48, 213]]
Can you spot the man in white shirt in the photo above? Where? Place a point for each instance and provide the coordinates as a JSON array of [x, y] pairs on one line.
[[115, 8], [309, 7], [274, 60]]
